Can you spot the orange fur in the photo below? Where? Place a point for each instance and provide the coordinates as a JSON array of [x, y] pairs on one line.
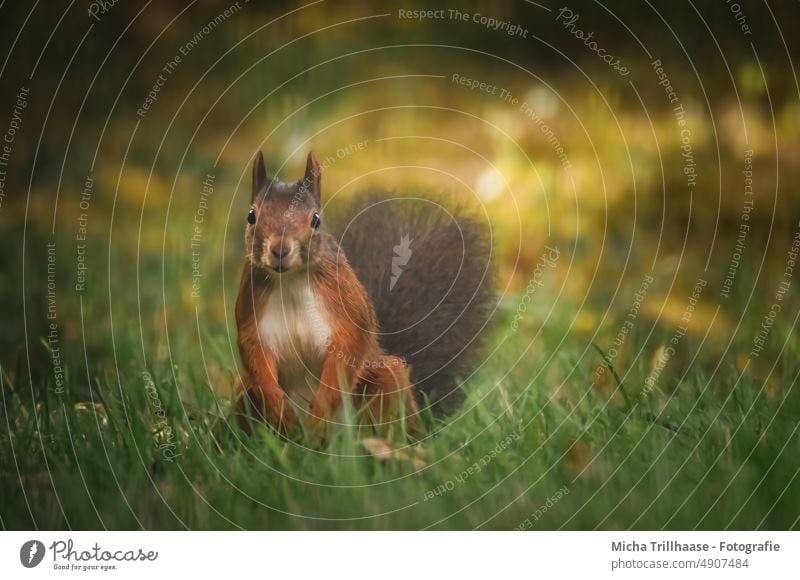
[[353, 362], [264, 398]]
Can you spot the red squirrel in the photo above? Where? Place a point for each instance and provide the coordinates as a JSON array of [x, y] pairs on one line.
[[308, 331]]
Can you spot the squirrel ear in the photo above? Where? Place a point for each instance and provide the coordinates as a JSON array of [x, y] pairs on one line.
[[312, 180], [259, 175]]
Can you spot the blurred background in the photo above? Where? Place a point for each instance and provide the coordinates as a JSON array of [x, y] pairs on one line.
[[649, 140], [584, 157]]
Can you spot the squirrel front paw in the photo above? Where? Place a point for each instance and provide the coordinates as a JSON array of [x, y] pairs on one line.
[[272, 409]]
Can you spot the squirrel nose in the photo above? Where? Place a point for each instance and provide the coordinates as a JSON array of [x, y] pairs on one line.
[[280, 251]]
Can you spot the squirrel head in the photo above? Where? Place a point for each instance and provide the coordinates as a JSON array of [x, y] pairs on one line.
[[282, 230]]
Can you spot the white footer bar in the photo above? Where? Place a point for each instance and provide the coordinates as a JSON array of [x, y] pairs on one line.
[[400, 555]]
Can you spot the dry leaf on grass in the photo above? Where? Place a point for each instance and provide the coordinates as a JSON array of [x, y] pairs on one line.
[[381, 449], [578, 459]]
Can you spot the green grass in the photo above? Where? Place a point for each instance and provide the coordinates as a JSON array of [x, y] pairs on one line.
[[544, 441], [701, 452]]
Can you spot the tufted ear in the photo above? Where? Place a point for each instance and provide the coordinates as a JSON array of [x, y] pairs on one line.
[[312, 180], [259, 175]]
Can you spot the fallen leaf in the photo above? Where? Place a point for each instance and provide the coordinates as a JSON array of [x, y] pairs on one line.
[[578, 458], [381, 449], [378, 448]]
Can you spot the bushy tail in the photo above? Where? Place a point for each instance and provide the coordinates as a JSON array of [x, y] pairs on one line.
[[427, 265]]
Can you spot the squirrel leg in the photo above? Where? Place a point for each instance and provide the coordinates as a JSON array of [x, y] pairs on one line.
[[263, 401], [389, 396], [337, 378], [267, 406]]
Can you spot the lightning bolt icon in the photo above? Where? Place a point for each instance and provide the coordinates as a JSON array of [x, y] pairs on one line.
[[33, 551], [402, 255]]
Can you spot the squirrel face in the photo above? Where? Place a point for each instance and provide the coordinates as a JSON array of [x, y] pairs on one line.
[[282, 231]]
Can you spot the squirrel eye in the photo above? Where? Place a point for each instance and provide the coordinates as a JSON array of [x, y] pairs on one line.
[[251, 216], [315, 220]]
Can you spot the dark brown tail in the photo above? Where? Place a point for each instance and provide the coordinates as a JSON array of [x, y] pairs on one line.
[[427, 265]]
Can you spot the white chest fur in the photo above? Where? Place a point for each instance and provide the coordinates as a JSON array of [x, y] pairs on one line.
[[294, 325]]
